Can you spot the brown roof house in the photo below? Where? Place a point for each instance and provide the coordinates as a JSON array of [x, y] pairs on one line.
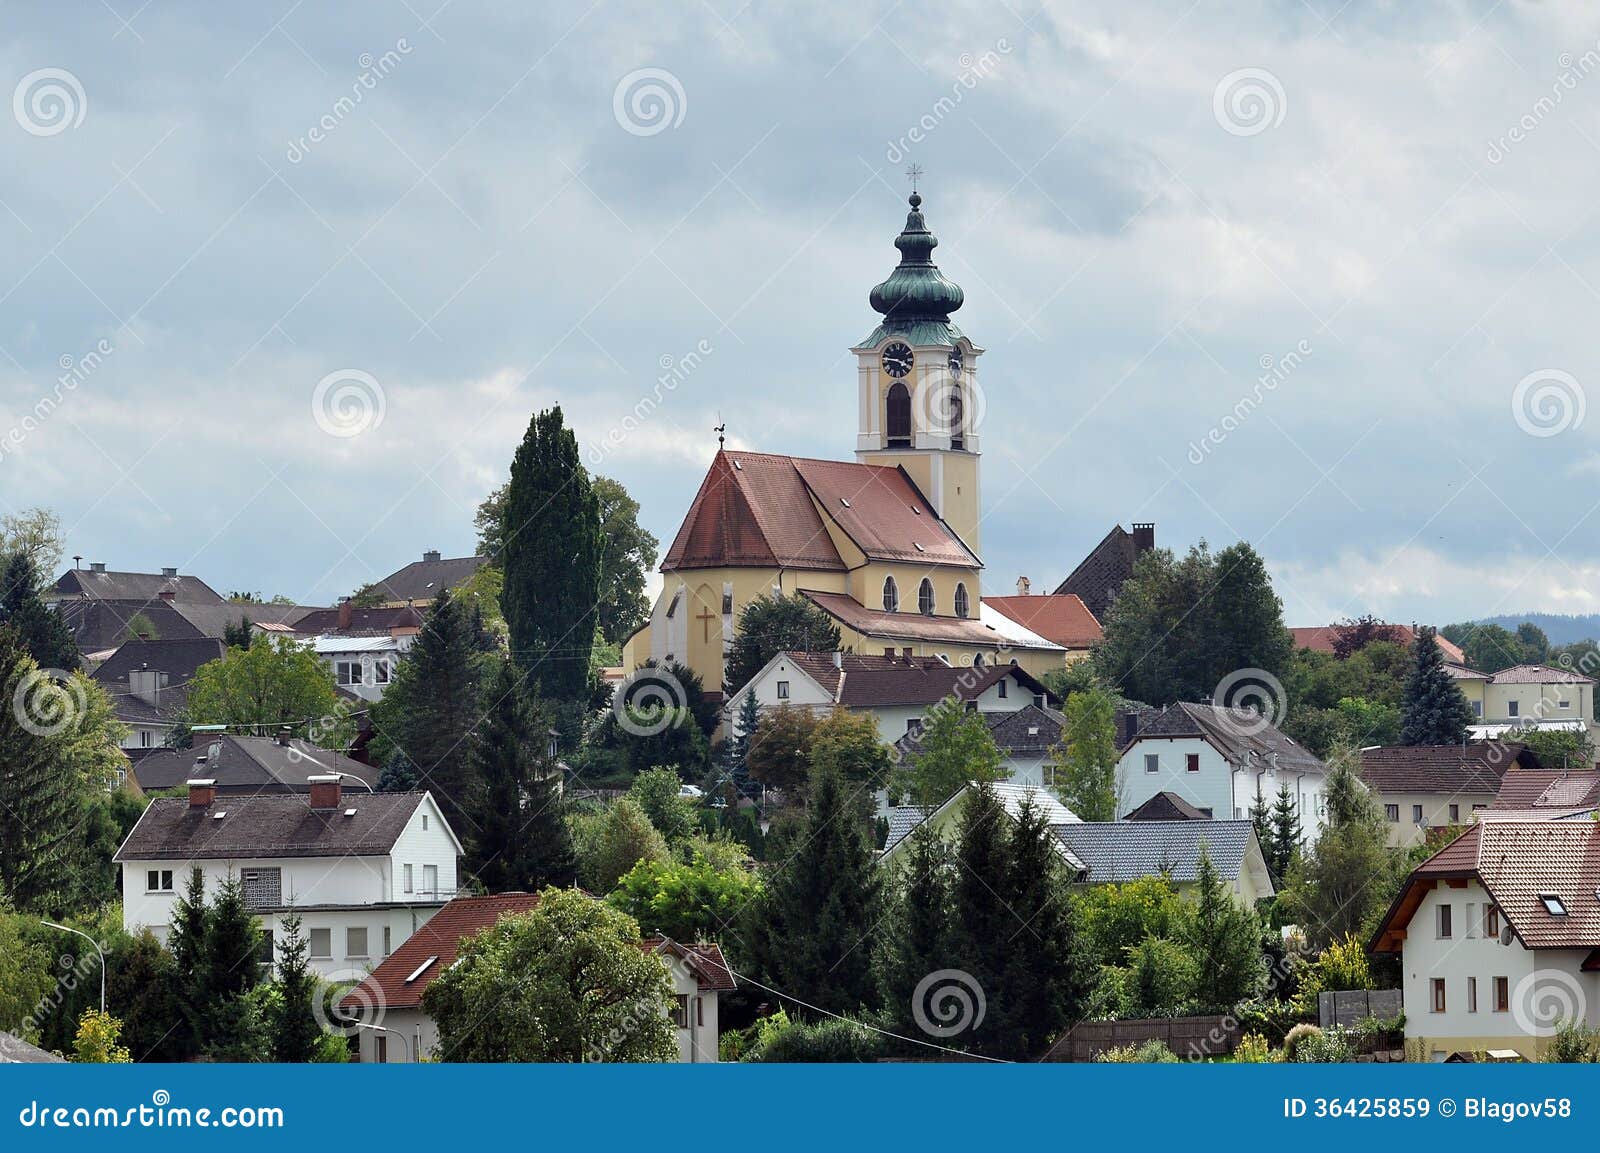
[[1099, 576], [1429, 787], [1320, 638], [388, 1003], [1499, 935], [1062, 618]]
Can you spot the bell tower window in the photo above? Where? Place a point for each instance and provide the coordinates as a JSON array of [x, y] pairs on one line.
[[925, 597], [957, 427], [898, 423], [891, 595]]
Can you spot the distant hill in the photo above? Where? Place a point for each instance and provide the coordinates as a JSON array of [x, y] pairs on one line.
[[1561, 628]]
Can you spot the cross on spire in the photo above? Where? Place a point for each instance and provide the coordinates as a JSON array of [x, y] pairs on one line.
[[913, 174]]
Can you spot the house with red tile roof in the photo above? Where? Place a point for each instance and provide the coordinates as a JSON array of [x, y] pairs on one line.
[[1423, 788], [1499, 934], [393, 1026], [887, 544], [1528, 697], [1061, 618], [1320, 638]]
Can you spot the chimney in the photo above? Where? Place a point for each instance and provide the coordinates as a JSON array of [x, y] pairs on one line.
[[202, 791], [325, 791], [838, 659], [167, 595], [97, 566], [1144, 537], [1024, 585], [1127, 727], [283, 735], [169, 572], [344, 612], [431, 555]]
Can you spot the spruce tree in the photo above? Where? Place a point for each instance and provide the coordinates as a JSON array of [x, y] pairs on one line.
[[1433, 709], [822, 903], [230, 968], [42, 630], [431, 707], [1261, 820], [186, 940], [550, 552], [916, 936], [984, 925], [295, 1031], [520, 839], [1286, 834], [41, 839], [1225, 938]]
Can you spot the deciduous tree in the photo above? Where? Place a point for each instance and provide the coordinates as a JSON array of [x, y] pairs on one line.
[[770, 625]]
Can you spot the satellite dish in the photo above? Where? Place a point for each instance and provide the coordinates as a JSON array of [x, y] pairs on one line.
[[1505, 935]]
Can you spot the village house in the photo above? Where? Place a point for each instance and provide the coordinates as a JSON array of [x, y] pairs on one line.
[[1498, 935], [1060, 618], [363, 871], [148, 683], [904, 819], [1114, 852], [362, 646], [388, 1003], [1528, 697], [1026, 738], [1320, 639], [1424, 788], [250, 765], [1218, 759], [419, 582]]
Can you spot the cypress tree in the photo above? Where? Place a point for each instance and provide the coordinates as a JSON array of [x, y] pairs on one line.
[[821, 904], [431, 707], [916, 937], [295, 1031], [42, 630], [520, 838], [550, 552], [1433, 709], [40, 803], [1261, 820]]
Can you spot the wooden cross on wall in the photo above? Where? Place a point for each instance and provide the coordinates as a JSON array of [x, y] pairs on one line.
[[705, 618]]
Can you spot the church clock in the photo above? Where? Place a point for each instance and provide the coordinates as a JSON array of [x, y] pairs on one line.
[[897, 359]]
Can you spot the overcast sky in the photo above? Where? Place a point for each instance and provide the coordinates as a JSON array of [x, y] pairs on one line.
[[225, 216]]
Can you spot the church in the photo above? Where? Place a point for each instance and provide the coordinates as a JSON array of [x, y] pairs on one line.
[[888, 544]]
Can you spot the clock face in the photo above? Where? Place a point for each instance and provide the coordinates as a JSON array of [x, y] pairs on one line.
[[956, 366], [897, 359]]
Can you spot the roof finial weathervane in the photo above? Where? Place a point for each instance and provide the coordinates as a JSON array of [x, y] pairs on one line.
[[720, 430], [913, 174]]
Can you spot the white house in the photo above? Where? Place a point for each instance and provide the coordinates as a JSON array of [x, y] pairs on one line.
[[945, 819], [393, 1027], [1499, 935], [364, 871], [1026, 737], [1218, 759], [897, 691]]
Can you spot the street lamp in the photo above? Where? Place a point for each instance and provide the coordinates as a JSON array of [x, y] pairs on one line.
[[405, 1046], [97, 949], [357, 780]]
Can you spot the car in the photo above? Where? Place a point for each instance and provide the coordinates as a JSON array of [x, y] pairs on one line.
[[691, 792]]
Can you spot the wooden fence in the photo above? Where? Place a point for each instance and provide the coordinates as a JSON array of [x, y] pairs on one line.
[[1351, 1006], [1191, 1038]]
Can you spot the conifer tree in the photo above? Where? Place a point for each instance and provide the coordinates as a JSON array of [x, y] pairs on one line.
[[230, 968], [295, 1031], [985, 927], [1261, 820], [1225, 939], [1433, 709], [917, 935], [42, 630], [550, 551], [186, 940], [1287, 833], [520, 839]]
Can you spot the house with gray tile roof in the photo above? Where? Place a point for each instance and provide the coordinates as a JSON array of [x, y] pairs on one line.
[[1114, 852], [905, 819], [1025, 738]]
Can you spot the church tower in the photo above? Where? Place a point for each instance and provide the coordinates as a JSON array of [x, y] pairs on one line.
[[918, 378]]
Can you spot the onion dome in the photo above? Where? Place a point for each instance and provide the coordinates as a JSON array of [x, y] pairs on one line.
[[916, 290]]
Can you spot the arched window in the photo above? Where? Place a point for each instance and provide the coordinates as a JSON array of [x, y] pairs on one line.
[[977, 660], [957, 419], [963, 607], [899, 416], [925, 597], [891, 595]]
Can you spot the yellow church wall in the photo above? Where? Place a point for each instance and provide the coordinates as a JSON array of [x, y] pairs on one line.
[[866, 585]]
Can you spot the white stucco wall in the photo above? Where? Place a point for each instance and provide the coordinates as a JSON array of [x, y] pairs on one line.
[[1228, 791]]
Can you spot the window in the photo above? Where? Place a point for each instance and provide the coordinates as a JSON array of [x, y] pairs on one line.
[[424, 822], [783, 690], [380, 672], [380, 1048], [1553, 905], [1444, 922], [891, 597], [355, 942], [347, 672], [263, 888], [1438, 994], [322, 944], [727, 603], [925, 597], [957, 439], [146, 738], [963, 606], [1455, 814], [264, 948], [1391, 812], [680, 1011], [977, 661], [914, 725], [386, 945], [1502, 994], [430, 880], [1512, 708], [898, 423], [1000, 689], [1191, 762], [1491, 921], [405, 874], [1472, 920], [1152, 762], [1564, 704], [1416, 814], [1477, 709], [1472, 994], [158, 881]]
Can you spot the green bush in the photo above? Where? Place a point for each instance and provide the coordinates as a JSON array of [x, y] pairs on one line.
[[1253, 1049], [1574, 1044], [1150, 1053], [1293, 1039], [1324, 1047], [1161, 978], [828, 1042]]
